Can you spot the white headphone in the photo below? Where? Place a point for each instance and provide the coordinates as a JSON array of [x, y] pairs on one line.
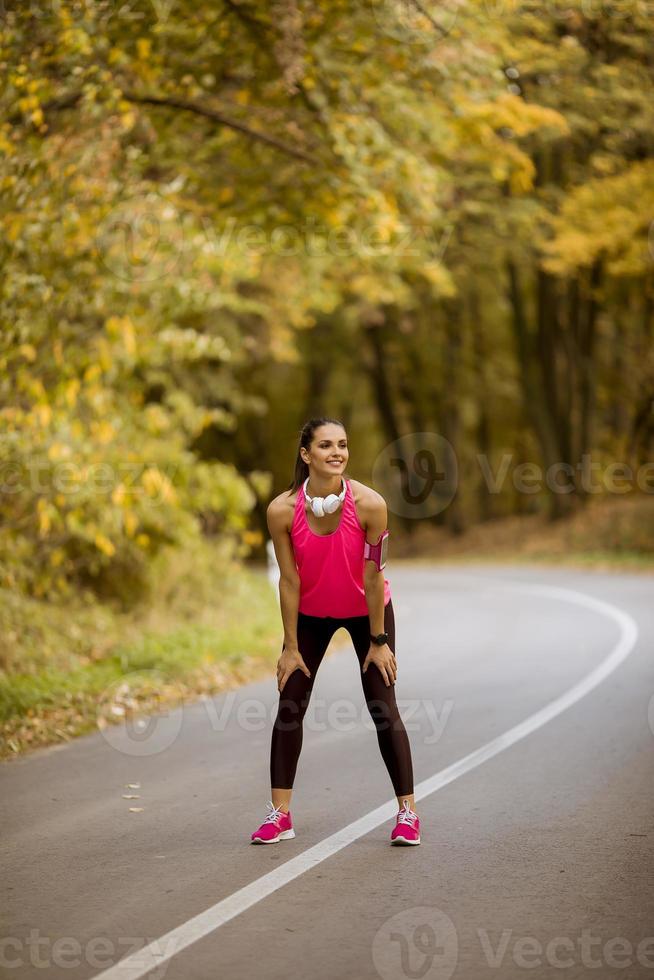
[[325, 505]]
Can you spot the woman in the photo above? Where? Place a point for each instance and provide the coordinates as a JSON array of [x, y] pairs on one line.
[[319, 528]]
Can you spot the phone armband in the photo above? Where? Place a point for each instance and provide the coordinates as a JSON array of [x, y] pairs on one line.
[[377, 552]]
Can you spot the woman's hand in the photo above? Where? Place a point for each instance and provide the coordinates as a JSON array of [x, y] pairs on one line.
[[384, 658], [290, 660]]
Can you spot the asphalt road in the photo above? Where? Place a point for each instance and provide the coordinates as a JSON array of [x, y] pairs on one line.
[[527, 693]]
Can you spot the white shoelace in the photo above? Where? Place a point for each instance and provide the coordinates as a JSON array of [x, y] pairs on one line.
[[275, 813], [406, 814]]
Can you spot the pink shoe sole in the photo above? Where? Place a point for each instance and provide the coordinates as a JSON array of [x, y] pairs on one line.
[[403, 840], [285, 835]]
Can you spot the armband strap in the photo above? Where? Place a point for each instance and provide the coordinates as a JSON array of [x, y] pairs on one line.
[[377, 552]]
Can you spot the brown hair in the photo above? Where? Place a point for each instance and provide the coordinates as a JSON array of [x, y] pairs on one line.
[[306, 438]]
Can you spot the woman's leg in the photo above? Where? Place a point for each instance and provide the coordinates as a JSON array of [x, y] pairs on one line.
[[380, 699], [313, 636]]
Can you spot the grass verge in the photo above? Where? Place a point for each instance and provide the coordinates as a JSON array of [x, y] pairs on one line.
[[606, 535], [68, 669]]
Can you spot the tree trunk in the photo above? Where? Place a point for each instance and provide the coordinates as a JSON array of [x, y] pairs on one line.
[[535, 402], [484, 447]]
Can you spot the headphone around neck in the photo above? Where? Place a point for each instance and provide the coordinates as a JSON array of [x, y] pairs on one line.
[[325, 505]]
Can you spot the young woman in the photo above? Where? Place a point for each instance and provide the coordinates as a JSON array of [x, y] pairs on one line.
[[329, 535]]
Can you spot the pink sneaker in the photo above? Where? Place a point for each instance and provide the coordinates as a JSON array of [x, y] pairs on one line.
[[277, 826], [407, 826]]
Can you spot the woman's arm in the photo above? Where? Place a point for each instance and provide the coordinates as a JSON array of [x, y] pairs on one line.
[[373, 582], [374, 520], [289, 580]]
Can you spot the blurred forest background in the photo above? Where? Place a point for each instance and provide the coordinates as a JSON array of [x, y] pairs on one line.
[[220, 218]]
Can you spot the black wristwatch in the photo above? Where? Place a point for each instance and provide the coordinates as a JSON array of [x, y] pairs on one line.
[[380, 639]]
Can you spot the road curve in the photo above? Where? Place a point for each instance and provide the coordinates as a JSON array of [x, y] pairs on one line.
[[527, 693]]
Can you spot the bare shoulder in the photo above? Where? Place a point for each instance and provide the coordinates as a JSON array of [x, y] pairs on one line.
[[369, 503], [280, 510]]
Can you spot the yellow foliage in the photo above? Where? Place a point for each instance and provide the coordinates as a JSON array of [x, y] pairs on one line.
[[42, 414], [71, 392], [43, 517], [122, 328], [92, 372], [130, 522], [28, 104], [118, 494], [103, 543], [6, 146], [104, 354], [28, 351], [157, 484], [57, 557], [103, 432], [14, 224], [127, 120], [144, 48], [58, 450]]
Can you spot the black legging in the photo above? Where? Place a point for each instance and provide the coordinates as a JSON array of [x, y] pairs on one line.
[[313, 636]]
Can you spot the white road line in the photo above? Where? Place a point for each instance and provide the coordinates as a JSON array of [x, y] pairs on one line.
[[156, 953]]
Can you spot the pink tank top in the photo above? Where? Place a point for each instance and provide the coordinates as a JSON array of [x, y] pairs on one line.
[[330, 566]]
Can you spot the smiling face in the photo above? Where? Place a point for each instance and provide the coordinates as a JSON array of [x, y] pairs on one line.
[[329, 443]]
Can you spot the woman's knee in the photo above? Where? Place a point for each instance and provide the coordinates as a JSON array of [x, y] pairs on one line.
[[384, 713], [290, 713]]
